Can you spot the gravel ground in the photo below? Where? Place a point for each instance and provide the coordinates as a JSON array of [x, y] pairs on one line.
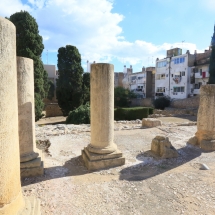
[[144, 185]]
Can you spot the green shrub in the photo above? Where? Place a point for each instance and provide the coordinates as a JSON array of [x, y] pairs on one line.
[[81, 115], [162, 102], [151, 110], [131, 113]]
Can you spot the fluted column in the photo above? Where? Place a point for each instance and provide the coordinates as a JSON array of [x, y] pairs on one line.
[[11, 200], [102, 152]]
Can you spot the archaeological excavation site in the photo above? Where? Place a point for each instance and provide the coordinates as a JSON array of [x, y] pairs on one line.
[[158, 164]]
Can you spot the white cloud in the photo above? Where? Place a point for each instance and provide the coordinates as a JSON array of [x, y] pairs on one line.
[[9, 7], [92, 27]]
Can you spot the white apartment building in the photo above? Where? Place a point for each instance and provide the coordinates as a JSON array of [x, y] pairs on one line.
[[172, 77]]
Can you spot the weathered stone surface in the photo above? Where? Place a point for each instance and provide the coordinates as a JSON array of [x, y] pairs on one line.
[[208, 145], [27, 141], [205, 119], [32, 171], [102, 118], [162, 147], [95, 161], [151, 122], [11, 200], [193, 141]]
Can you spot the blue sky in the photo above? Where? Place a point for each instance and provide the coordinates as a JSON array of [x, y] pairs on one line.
[[121, 32]]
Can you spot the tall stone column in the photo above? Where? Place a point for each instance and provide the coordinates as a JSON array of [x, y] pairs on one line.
[[205, 135], [102, 152], [11, 200], [31, 164]]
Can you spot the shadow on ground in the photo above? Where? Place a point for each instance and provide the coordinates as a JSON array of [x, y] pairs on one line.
[[151, 165], [72, 167]]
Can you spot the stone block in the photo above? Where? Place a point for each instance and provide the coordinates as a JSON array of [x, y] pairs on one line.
[[208, 145], [102, 161], [32, 171], [151, 122], [162, 147], [193, 141]]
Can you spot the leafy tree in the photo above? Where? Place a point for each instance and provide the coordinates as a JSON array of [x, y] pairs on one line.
[[51, 90], [69, 82], [86, 87], [122, 97], [212, 67], [30, 44]]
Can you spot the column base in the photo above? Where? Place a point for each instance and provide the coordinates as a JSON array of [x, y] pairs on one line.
[[33, 167], [95, 161], [32, 206], [208, 145]]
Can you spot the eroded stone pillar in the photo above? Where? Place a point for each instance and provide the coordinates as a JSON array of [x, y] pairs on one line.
[[102, 152], [11, 200], [31, 164], [205, 135]]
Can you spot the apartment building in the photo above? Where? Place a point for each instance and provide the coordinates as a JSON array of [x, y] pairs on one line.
[[141, 83], [200, 71], [173, 73]]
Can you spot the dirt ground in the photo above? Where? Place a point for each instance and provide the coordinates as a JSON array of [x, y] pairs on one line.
[[144, 185]]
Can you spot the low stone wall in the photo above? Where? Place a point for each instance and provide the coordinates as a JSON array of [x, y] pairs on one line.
[[192, 102], [147, 102], [53, 110], [174, 112]]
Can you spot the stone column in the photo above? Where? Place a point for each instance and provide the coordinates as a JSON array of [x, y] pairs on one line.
[[11, 200], [31, 164], [205, 135], [102, 152]]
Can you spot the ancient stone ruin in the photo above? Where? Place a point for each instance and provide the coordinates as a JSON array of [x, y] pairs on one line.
[[102, 152], [162, 147], [151, 122], [205, 135], [31, 164], [11, 198]]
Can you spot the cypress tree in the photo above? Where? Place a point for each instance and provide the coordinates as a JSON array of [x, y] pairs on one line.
[[212, 66], [86, 87], [30, 44], [69, 82]]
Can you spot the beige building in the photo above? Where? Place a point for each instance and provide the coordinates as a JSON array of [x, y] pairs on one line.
[[52, 72]]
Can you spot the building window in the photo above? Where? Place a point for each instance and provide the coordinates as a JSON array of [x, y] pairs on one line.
[[179, 60], [183, 73], [160, 89], [178, 89], [162, 76], [161, 64]]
